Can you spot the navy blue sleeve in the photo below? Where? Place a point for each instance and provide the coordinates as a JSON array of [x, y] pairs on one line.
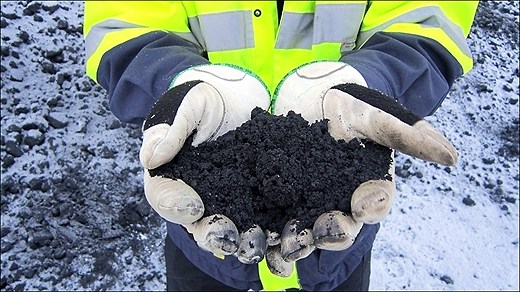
[[137, 72], [415, 70]]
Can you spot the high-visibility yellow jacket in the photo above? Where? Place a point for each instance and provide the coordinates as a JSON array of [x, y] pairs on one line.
[[411, 50]]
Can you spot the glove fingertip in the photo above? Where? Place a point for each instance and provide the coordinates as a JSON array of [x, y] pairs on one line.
[[157, 148], [443, 151], [172, 199], [335, 230], [216, 233], [296, 242], [276, 264], [372, 200], [252, 246]]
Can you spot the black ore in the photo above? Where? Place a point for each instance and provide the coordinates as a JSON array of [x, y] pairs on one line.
[[273, 169]]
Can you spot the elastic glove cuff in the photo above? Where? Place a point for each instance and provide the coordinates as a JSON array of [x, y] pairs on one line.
[[300, 87], [211, 73]]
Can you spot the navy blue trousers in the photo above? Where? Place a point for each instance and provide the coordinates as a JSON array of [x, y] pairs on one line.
[[184, 276]]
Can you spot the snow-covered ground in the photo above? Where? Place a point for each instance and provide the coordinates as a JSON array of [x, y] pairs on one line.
[[73, 216]]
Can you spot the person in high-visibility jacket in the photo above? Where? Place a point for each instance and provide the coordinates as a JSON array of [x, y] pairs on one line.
[[180, 67]]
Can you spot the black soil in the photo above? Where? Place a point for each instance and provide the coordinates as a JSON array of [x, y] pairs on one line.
[[273, 169]]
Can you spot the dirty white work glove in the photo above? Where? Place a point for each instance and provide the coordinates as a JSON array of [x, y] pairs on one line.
[[337, 92], [209, 100]]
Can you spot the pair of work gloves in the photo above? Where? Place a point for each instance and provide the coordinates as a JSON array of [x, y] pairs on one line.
[[210, 100]]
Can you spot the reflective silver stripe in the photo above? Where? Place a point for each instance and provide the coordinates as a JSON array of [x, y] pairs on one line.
[[224, 31], [295, 31], [330, 23], [98, 32], [426, 17]]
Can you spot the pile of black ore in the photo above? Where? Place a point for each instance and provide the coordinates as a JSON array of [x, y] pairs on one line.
[[273, 169]]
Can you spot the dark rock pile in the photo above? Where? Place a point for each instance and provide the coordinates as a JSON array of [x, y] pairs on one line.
[[67, 224], [273, 169]]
